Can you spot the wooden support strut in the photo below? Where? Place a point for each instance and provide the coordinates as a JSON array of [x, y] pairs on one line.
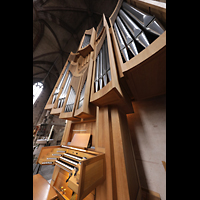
[[113, 138]]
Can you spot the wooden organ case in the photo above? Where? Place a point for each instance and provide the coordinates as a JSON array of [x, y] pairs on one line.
[[94, 91]]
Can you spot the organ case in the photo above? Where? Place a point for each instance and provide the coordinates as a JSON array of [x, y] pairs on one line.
[[60, 82], [87, 42], [105, 87], [69, 104], [84, 109], [129, 23]]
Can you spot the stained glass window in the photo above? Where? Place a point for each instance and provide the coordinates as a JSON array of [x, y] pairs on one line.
[[37, 89]]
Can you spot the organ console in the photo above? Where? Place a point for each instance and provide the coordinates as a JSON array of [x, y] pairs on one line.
[[76, 169], [111, 67]]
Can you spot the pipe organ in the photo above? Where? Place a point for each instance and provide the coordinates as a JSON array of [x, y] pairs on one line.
[[120, 61]]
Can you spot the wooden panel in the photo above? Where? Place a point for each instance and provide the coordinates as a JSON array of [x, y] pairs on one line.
[[81, 154], [79, 128], [42, 189], [115, 12], [55, 173], [127, 180], [61, 181], [80, 140], [108, 189], [89, 197], [92, 174], [45, 153], [148, 79], [66, 135]]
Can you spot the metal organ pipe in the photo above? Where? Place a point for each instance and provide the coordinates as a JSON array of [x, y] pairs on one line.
[[100, 28], [86, 40], [127, 37], [64, 92], [137, 33], [100, 70], [97, 74], [103, 75], [59, 85], [128, 24], [121, 44], [71, 100], [150, 23], [82, 95], [104, 64], [107, 60]]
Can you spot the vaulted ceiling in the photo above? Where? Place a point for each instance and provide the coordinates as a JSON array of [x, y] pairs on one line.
[[58, 26]]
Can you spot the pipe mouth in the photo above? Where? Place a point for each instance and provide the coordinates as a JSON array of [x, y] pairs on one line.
[[141, 38], [155, 27], [125, 54], [133, 48]]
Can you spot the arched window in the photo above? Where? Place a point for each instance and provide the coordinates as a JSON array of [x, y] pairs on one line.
[[37, 89]]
